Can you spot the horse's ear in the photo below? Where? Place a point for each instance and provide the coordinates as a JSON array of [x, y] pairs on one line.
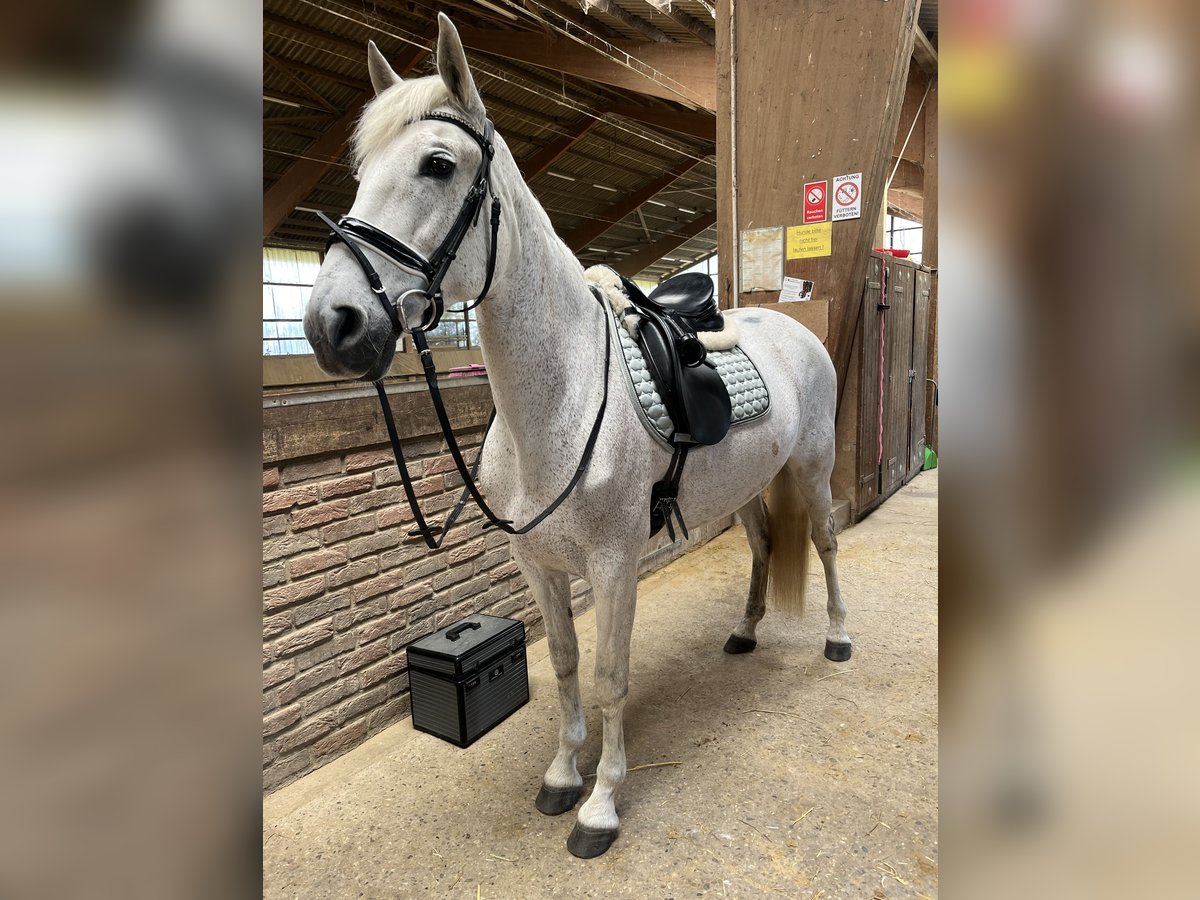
[[452, 66], [383, 76]]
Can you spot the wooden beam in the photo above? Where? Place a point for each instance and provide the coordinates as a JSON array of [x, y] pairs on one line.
[[697, 124], [568, 10], [648, 256], [544, 158], [912, 115], [285, 70], [695, 26], [906, 205], [924, 55], [584, 234], [303, 175], [309, 31], [909, 176], [292, 101], [314, 119], [329, 75], [688, 70], [627, 18]]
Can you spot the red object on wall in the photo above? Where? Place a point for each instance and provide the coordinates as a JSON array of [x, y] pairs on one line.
[[899, 254], [816, 202]]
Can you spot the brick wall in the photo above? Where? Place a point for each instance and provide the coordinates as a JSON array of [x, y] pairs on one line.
[[344, 593]]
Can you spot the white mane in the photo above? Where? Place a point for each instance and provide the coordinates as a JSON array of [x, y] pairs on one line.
[[396, 107]]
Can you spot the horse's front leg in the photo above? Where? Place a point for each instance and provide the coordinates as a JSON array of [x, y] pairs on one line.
[[614, 583], [562, 783]]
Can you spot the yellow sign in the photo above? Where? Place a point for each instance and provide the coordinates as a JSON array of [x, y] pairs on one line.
[[807, 241]]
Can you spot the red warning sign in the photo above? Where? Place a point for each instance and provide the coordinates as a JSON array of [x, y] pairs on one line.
[[816, 202]]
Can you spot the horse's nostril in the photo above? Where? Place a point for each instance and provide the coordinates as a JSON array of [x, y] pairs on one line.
[[347, 324]]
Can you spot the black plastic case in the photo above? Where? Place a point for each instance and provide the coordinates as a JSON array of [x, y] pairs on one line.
[[468, 678]]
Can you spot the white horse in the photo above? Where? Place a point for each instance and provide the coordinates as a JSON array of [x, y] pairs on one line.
[[543, 337]]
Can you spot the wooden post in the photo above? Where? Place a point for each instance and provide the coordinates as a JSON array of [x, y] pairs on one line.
[[817, 95], [807, 92], [929, 251]]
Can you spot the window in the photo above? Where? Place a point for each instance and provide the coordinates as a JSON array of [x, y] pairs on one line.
[[457, 329], [707, 266], [903, 234], [288, 277]]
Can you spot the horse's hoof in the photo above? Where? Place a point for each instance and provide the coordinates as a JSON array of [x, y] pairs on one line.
[[588, 844], [837, 652], [737, 644], [556, 801]]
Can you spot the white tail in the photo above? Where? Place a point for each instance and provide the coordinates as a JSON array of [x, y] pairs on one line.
[[788, 527]]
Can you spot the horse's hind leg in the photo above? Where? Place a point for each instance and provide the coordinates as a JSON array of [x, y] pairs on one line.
[[754, 517], [815, 489], [562, 783]]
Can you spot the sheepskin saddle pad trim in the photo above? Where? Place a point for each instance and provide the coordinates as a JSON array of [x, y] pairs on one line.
[[747, 391]]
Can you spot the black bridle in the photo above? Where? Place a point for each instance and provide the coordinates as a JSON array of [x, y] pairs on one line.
[[353, 232]]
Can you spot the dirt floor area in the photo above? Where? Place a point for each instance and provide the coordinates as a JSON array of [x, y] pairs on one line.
[[782, 774]]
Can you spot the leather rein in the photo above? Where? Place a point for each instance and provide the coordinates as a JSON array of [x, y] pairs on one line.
[[353, 232]]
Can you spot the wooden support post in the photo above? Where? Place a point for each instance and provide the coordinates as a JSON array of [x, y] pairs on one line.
[[584, 234], [651, 254], [809, 92], [851, 70], [929, 251]]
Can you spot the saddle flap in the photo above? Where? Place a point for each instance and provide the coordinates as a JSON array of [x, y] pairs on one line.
[[695, 396], [709, 411]]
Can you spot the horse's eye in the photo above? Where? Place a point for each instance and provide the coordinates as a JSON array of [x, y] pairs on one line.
[[438, 167]]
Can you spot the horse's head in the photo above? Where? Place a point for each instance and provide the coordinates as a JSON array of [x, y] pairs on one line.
[[414, 176]]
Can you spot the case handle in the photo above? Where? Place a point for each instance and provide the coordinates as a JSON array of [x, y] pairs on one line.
[[453, 633]]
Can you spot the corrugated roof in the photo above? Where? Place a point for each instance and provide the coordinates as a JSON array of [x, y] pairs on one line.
[[315, 70]]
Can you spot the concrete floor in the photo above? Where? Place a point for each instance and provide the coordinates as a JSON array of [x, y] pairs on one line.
[[792, 776]]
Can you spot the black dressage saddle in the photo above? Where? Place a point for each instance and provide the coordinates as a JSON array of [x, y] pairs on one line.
[[688, 383]]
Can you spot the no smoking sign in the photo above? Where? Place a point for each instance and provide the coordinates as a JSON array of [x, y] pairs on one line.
[[847, 197], [816, 202]]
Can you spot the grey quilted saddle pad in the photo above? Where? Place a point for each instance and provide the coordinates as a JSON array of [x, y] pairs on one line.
[[747, 391]]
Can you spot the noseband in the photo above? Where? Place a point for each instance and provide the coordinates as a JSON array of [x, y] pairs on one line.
[[353, 232]]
